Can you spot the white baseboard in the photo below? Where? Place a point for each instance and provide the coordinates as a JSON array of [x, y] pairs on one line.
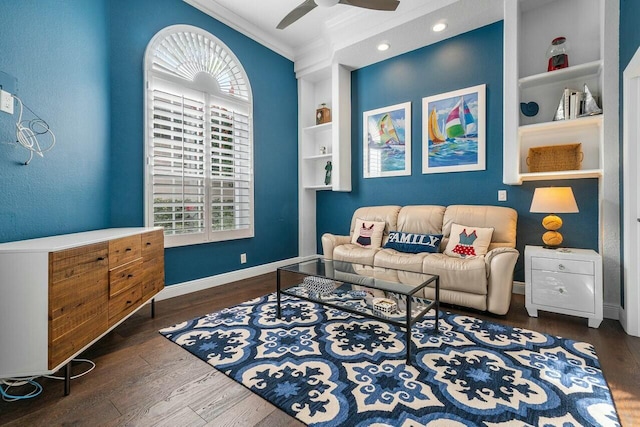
[[611, 311], [518, 288], [184, 288]]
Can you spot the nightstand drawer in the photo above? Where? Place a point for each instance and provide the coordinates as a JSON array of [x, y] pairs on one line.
[[562, 265], [563, 290]]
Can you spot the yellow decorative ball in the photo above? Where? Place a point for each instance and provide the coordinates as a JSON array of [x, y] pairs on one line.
[[552, 222], [552, 238]]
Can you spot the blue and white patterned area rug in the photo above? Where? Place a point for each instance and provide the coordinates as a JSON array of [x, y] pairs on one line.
[[330, 368]]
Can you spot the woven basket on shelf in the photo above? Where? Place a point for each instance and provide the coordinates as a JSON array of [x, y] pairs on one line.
[[552, 158]]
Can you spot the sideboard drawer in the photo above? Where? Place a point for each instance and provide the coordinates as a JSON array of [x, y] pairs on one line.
[[74, 262], [124, 250], [562, 265], [124, 303], [122, 278], [153, 244], [153, 279]]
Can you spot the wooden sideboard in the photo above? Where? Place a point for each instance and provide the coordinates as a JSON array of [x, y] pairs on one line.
[[60, 294]]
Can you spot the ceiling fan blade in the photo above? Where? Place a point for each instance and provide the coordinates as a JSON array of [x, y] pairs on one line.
[[297, 13], [373, 4]]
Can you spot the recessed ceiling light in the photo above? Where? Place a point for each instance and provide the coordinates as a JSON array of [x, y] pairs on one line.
[[383, 46], [440, 26]]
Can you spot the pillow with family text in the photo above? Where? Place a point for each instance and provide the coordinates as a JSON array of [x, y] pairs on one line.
[[368, 234], [413, 242]]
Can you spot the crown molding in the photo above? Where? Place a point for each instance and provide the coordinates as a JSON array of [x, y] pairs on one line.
[[241, 25]]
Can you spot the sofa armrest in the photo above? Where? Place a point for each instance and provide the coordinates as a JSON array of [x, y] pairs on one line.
[[330, 241], [500, 263]]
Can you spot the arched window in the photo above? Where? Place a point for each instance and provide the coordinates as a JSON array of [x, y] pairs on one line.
[[198, 139]]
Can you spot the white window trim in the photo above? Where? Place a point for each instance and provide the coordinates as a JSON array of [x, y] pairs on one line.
[[151, 79]]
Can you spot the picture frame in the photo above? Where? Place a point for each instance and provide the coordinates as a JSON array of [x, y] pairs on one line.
[[453, 131], [387, 141]]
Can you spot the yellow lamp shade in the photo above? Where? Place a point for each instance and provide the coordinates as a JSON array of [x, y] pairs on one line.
[[552, 238], [552, 222]]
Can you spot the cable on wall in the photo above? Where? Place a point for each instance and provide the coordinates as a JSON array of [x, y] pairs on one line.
[[28, 131]]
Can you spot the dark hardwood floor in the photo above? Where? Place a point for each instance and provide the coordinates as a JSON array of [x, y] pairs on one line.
[[141, 378]]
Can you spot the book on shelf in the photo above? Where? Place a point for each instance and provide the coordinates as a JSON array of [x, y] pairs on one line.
[[576, 103]]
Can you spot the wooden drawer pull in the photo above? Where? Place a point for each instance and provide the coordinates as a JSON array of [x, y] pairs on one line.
[[129, 276], [148, 243], [128, 250], [101, 258]]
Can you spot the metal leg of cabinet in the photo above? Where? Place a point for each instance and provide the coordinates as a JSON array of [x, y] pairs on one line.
[[67, 379]]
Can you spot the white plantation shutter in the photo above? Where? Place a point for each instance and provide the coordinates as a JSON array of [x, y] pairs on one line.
[[230, 170], [199, 144], [178, 173]]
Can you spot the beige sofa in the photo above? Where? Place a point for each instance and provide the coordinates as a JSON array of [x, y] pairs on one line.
[[481, 282]]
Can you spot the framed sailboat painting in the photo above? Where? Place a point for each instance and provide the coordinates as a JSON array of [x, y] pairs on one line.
[[387, 141], [453, 131]]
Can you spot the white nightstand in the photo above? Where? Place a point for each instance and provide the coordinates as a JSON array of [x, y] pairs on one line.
[[567, 281]]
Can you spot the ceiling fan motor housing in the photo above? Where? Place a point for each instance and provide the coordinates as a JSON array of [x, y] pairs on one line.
[[326, 3]]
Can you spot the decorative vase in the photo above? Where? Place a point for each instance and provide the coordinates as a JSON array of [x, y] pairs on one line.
[[323, 114]]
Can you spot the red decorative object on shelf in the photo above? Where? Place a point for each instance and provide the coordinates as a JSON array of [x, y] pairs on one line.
[[557, 54]]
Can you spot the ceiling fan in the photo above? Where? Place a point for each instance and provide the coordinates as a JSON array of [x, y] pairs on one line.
[[308, 5]]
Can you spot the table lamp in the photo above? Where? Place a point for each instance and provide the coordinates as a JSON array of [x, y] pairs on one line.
[[553, 200]]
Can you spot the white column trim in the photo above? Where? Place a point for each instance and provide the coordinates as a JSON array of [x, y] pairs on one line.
[[630, 314]]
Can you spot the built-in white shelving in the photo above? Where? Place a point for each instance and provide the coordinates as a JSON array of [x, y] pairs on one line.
[[322, 143], [559, 76], [529, 29], [316, 151], [591, 28]]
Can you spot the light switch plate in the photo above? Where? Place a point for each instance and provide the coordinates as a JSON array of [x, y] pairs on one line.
[[6, 102], [502, 195]]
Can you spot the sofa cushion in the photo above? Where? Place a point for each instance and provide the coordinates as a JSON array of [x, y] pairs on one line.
[[413, 243], [423, 219], [391, 258], [354, 254], [468, 241], [368, 234], [502, 219], [458, 274]]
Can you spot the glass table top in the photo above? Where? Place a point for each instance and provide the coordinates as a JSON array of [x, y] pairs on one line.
[[384, 279], [372, 291]]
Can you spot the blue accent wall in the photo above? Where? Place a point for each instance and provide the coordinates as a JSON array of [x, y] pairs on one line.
[[629, 33], [56, 54], [467, 60], [274, 86], [79, 65]]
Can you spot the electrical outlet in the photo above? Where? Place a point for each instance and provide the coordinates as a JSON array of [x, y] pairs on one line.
[[6, 102], [243, 258], [502, 195]]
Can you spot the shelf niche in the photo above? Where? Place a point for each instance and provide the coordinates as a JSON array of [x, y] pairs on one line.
[[328, 141], [529, 29]]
